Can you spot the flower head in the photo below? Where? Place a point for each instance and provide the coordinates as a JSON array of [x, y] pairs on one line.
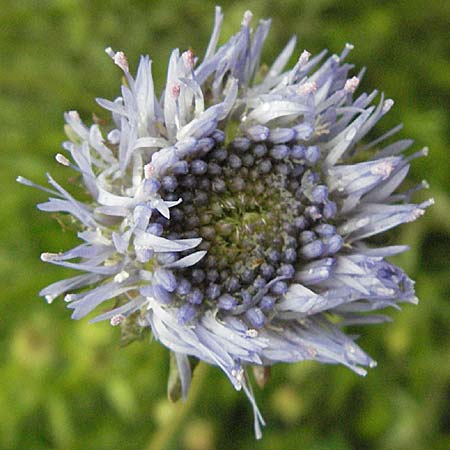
[[232, 216]]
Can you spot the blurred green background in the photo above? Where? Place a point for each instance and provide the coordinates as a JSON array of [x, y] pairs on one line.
[[69, 385]]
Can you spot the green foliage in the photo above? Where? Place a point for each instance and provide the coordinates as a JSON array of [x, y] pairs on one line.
[[69, 385]]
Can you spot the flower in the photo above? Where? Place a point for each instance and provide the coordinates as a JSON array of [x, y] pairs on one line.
[[233, 216]]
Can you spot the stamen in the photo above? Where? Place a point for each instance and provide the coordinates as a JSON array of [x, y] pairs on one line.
[[307, 88], [189, 59], [47, 257], [248, 16], [121, 276], [121, 60], [387, 105], [175, 90], [384, 169], [117, 320], [304, 57], [351, 85]]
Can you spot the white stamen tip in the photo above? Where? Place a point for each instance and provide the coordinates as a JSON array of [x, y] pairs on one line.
[[121, 60], [239, 376], [350, 348], [388, 105], [49, 298], [175, 90], [416, 214], [121, 276], [351, 85], [46, 256], [248, 15], [149, 170], [74, 115], [69, 297], [251, 333], [110, 52], [117, 320], [349, 46], [304, 57], [62, 159], [308, 87]]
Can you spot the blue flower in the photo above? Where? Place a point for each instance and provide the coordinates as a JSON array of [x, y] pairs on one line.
[[232, 217]]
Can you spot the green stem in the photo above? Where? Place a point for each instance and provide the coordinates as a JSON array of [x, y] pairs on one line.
[[164, 437]]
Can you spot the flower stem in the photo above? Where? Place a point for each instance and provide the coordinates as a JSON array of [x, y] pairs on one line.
[[164, 437]]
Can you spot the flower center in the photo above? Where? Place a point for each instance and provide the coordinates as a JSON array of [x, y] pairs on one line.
[[255, 206]]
